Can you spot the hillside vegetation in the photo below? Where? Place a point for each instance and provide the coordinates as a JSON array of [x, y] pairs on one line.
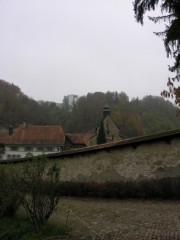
[[134, 117]]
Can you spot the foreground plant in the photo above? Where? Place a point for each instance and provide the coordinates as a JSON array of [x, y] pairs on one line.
[[38, 184], [22, 229], [9, 196]]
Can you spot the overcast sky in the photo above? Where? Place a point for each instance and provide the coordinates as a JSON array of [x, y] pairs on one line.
[[53, 48]]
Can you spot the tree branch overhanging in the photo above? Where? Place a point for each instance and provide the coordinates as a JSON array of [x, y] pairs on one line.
[[170, 35]]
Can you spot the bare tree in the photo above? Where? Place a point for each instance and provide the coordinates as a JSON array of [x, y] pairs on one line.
[[38, 184]]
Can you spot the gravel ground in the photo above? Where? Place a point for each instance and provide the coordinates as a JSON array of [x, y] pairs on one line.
[[120, 219]]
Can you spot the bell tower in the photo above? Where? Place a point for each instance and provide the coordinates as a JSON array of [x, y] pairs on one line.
[[106, 111]]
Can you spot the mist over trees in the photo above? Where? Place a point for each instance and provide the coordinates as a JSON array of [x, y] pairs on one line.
[[134, 117]]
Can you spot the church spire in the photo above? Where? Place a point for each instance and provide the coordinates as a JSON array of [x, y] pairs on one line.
[[106, 111]]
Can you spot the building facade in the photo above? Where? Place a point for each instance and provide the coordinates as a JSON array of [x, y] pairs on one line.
[[29, 140]]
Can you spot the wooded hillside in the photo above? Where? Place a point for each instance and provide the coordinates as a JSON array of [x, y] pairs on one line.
[[133, 117]]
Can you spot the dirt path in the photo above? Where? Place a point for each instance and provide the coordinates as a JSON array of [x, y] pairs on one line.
[[113, 219]]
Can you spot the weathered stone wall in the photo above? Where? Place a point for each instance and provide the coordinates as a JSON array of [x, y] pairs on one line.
[[143, 161]]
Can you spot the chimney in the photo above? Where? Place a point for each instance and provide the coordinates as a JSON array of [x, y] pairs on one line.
[[24, 125]]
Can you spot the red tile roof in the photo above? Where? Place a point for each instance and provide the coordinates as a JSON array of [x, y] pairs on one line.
[[28, 134], [3, 135], [79, 138]]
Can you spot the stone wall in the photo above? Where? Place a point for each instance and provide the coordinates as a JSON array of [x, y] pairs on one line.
[[147, 160], [147, 157]]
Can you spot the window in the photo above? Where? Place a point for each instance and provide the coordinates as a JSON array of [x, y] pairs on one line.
[[49, 149], [28, 149], [40, 149], [14, 148], [9, 156], [1, 149]]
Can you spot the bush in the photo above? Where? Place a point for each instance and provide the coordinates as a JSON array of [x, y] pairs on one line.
[[38, 185], [166, 188], [9, 197]]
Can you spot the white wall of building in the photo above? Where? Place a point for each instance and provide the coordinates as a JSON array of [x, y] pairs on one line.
[[20, 151]]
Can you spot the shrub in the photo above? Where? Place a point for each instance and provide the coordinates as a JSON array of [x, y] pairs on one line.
[[9, 197], [38, 184], [166, 188]]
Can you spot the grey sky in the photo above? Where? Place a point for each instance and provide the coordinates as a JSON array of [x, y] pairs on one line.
[[52, 48]]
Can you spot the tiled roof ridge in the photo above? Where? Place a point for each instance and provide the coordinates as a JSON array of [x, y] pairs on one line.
[[39, 126], [29, 134]]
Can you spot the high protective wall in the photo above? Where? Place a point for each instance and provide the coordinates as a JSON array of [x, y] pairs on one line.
[[147, 157], [149, 160]]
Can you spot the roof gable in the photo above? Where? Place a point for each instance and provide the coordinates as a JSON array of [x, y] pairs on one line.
[[79, 138]]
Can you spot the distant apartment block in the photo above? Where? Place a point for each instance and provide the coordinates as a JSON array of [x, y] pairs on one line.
[[69, 101], [72, 99]]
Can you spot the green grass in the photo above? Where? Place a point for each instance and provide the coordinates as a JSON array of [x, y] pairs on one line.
[[22, 229]]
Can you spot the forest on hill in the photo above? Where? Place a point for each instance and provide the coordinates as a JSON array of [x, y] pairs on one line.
[[134, 117]]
